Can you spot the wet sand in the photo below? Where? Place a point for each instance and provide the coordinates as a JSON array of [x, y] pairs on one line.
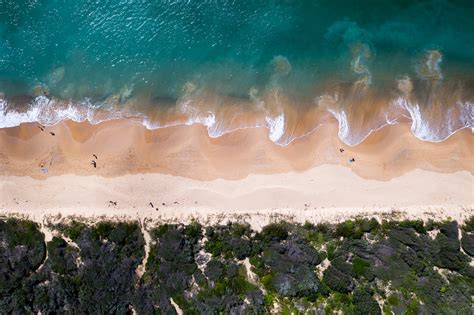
[[126, 147]]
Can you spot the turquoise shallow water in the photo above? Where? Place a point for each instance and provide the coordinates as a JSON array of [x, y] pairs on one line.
[[147, 58]]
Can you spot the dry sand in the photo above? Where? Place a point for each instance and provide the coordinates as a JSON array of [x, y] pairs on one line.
[[240, 176]]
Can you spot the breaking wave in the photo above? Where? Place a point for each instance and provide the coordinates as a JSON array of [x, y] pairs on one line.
[[283, 126]]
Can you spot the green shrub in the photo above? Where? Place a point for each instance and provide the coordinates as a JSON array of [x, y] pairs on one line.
[[359, 267], [467, 243], [214, 246], [468, 225], [330, 249], [366, 225], [22, 232], [338, 281], [239, 230], [413, 307], [193, 231], [256, 261], [275, 231], [417, 225], [102, 230], [364, 303], [266, 280], [348, 229], [74, 229], [161, 230], [56, 255], [393, 300], [388, 225]]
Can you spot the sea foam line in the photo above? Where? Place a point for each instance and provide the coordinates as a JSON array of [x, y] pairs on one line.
[[49, 112]]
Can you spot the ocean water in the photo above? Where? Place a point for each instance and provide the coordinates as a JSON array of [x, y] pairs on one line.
[[287, 65]]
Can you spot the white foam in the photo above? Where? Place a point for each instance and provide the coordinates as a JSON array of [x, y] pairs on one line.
[[276, 125], [49, 112], [426, 129], [467, 114], [41, 110], [352, 138], [207, 119], [330, 103], [341, 117], [419, 127]]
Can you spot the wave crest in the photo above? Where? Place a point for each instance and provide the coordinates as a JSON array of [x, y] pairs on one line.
[[284, 120]]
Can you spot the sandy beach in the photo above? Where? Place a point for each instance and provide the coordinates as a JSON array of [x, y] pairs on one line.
[[180, 173]]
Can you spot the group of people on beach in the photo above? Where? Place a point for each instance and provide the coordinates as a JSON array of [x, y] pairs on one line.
[[44, 169], [351, 160], [42, 128]]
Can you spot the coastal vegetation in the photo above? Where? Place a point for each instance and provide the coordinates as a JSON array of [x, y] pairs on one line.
[[359, 266]]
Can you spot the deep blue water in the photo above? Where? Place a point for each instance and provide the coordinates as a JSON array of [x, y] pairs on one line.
[[76, 50]]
